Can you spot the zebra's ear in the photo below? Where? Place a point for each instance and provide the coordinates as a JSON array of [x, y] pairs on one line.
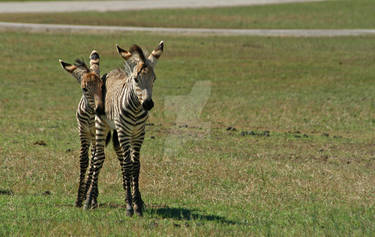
[[67, 66], [156, 53], [72, 69], [94, 62], [123, 53]]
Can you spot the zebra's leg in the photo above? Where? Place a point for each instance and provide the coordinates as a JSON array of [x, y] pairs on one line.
[[94, 202], [120, 157], [118, 150], [136, 165], [126, 169], [83, 163], [98, 159], [119, 153], [91, 170]]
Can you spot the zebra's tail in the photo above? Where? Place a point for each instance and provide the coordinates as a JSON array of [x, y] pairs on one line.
[[108, 139]]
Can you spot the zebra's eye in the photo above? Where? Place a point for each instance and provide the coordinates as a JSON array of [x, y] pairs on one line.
[[136, 79], [84, 89]]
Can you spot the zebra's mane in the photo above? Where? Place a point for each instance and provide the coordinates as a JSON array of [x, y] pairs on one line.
[[127, 68], [136, 50], [129, 64]]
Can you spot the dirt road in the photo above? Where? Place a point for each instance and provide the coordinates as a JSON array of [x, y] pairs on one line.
[[5, 26], [72, 6]]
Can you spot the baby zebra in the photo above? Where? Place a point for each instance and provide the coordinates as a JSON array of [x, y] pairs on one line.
[[128, 98], [91, 101]]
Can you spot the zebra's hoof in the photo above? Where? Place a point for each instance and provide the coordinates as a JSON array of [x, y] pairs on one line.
[[79, 202], [87, 206], [138, 206], [139, 212], [129, 211], [94, 205]]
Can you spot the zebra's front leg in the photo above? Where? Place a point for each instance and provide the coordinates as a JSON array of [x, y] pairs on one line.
[[120, 156], [83, 163], [126, 171], [98, 159], [136, 194]]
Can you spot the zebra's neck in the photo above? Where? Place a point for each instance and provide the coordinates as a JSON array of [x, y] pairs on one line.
[[131, 100], [87, 105]]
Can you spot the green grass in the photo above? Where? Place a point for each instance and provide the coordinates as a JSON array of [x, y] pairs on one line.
[[225, 184], [337, 14]]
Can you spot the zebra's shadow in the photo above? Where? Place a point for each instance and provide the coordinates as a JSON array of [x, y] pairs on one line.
[[174, 213], [186, 214]]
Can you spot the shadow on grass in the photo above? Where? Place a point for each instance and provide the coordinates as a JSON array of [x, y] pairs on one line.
[[174, 213], [6, 192], [111, 205], [186, 214]]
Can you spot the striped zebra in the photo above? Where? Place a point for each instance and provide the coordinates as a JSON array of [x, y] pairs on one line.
[[127, 100], [91, 101]]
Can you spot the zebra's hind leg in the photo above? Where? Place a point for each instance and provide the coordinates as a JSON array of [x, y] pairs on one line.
[[83, 162]]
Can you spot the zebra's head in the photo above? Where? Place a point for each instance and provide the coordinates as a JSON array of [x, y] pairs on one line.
[[91, 84], [142, 71]]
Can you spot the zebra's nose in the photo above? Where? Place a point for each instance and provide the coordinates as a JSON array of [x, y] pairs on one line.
[[99, 110], [148, 104]]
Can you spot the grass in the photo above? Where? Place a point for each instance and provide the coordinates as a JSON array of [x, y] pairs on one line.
[[311, 174], [336, 14]]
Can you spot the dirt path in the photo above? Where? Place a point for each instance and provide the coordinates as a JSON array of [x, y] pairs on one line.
[[5, 26], [71, 6]]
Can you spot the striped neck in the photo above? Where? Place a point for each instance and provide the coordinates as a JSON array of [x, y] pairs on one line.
[[132, 98], [88, 105]]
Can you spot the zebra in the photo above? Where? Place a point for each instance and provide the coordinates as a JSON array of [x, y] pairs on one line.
[[127, 100], [90, 102]]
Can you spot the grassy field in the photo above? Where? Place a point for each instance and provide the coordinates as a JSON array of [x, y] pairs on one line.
[[337, 14], [300, 160]]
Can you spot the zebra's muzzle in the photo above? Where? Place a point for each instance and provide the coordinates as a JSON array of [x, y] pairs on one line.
[[99, 110], [148, 104]]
